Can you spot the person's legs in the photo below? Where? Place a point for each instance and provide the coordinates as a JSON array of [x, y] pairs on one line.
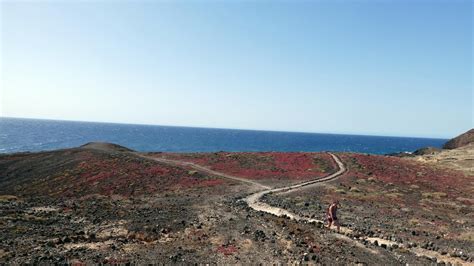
[[336, 223]]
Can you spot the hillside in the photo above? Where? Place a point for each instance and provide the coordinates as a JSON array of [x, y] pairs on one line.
[[461, 140], [94, 168], [103, 203]]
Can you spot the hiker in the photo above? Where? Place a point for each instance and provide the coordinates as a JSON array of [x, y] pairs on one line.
[[332, 215]]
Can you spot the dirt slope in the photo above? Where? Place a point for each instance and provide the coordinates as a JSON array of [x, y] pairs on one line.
[[461, 140]]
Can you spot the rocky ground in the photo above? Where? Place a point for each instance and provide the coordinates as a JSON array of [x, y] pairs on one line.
[[105, 204], [396, 199]]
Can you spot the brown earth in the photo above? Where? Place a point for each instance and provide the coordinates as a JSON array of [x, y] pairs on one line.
[[461, 140], [106, 204]]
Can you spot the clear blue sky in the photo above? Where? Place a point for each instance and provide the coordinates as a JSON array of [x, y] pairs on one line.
[[400, 68]]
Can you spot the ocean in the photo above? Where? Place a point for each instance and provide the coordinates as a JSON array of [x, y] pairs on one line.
[[20, 135]]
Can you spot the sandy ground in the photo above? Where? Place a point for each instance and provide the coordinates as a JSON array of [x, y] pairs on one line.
[[461, 159]]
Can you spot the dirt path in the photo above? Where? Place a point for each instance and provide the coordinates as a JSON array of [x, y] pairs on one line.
[[253, 200], [206, 170]]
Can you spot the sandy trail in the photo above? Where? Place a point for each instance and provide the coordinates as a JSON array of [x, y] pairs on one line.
[[253, 200]]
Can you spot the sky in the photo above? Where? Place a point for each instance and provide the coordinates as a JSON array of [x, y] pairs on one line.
[[394, 68]]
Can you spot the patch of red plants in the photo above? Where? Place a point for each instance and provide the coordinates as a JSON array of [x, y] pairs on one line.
[[227, 249], [402, 171], [107, 174], [263, 165]]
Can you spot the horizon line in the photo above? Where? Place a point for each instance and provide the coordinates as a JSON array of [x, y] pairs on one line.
[[222, 128]]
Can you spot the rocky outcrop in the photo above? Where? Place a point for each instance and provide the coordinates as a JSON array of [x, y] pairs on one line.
[[461, 140], [427, 151], [104, 146]]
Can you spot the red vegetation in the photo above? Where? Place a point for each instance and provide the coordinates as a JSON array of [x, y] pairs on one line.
[[402, 171], [137, 176], [83, 172], [227, 249], [263, 165]]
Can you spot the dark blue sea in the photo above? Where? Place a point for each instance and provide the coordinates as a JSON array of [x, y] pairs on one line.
[[19, 135]]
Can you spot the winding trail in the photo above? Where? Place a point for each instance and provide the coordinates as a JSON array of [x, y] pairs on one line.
[[253, 201]]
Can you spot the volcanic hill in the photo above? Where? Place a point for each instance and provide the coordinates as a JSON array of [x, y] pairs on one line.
[[461, 140]]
